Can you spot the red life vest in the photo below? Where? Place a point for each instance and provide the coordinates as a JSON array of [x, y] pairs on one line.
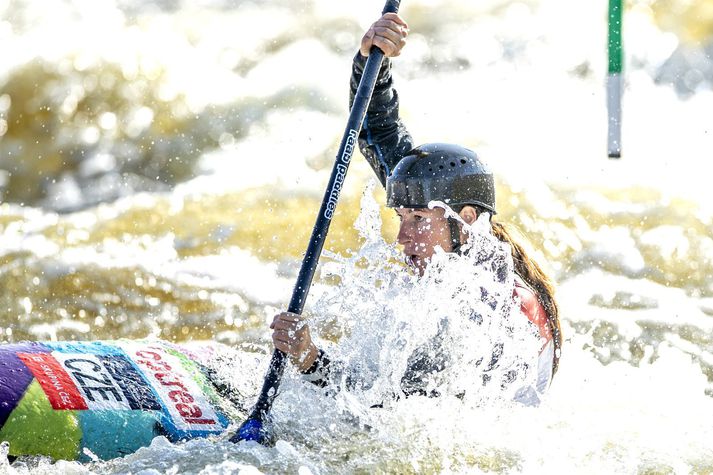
[[531, 307]]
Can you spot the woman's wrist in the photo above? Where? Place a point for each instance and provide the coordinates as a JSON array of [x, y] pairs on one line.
[[308, 358]]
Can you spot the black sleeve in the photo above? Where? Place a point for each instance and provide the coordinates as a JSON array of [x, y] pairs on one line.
[[318, 373], [384, 139]]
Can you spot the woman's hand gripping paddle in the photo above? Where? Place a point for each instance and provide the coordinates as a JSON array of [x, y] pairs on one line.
[[254, 428]]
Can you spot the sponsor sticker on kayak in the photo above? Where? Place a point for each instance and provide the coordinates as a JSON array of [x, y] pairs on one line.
[[177, 389], [59, 387], [100, 390]]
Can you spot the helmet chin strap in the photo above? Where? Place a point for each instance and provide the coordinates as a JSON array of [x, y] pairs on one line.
[[455, 235]]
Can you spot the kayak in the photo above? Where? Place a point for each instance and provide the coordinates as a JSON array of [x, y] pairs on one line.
[[100, 400]]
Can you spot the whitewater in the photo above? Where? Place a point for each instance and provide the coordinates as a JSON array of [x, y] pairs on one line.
[[196, 142]]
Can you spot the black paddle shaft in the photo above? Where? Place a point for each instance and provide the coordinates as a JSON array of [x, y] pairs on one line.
[[321, 227]]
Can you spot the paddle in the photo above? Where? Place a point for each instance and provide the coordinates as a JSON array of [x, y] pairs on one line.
[[254, 427]]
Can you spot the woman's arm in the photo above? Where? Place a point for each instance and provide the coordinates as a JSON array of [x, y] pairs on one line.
[[384, 139]]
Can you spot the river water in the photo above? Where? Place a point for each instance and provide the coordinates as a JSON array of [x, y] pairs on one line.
[[161, 166]]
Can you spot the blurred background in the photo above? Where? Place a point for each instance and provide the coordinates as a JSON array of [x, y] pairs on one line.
[[161, 163]]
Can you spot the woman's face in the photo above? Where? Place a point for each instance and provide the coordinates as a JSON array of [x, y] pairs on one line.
[[420, 232], [423, 229]]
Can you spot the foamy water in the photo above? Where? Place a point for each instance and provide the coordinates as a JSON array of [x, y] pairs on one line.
[[197, 253]]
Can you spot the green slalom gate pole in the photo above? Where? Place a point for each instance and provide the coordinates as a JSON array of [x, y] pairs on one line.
[[615, 79]]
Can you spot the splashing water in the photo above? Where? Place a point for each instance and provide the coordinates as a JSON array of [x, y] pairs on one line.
[[616, 417], [453, 318], [434, 335]]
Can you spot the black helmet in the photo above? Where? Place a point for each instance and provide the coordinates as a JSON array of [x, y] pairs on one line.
[[443, 172]]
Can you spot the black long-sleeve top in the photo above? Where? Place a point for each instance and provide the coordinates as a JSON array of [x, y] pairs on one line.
[[384, 139]]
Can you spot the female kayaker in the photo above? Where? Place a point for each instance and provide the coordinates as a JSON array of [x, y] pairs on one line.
[[413, 177]]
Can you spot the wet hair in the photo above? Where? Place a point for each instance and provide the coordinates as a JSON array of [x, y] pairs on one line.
[[529, 271]]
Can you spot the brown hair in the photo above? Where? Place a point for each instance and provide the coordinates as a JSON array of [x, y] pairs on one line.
[[533, 275]]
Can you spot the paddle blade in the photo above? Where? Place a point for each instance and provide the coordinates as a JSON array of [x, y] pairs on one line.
[[252, 430]]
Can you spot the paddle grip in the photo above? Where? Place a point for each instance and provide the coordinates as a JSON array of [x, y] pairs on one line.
[[392, 6]]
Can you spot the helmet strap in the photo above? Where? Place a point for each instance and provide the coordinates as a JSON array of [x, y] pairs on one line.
[[455, 235]]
